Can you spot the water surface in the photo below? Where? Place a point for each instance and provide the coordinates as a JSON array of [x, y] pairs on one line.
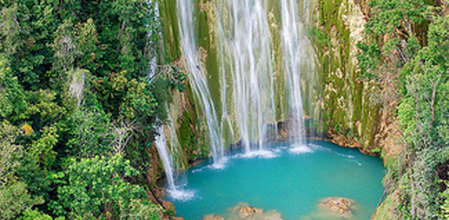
[[290, 183]]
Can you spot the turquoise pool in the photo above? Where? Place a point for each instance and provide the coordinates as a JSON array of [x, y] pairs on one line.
[[290, 183]]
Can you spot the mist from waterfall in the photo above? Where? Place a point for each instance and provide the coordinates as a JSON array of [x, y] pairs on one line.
[[198, 80], [245, 47]]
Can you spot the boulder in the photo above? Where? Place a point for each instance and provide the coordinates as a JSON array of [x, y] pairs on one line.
[[246, 211], [339, 206]]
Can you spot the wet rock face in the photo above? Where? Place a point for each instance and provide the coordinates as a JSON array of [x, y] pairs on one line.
[[339, 206]]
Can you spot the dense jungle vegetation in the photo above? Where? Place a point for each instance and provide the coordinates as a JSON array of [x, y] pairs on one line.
[[407, 55], [76, 108]]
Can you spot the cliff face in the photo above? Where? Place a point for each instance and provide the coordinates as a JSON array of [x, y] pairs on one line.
[[185, 109], [355, 114], [336, 102], [359, 113]]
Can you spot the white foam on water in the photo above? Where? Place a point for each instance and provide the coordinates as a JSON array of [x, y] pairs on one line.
[[180, 194], [278, 150], [219, 164], [316, 147], [216, 165], [266, 154], [300, 149]]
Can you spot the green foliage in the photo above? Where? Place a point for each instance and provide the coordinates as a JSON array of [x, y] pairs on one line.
[[15, 198], [42, 149], [424, 108], [14, 195], [445, 206], [34, 175], [141, 209], [9, 152], [369, 59], [422, 111], [376, 150], [319, 37], [96, 187], [90, 134], [12, 96], [73, 85], [391, 41], [392, 15], [34, 214]]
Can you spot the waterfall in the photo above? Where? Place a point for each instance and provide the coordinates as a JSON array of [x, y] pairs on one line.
[[174, 191], [154, 30], [258, 54], [174, 141], [167, 161], [198, 80], [293, 41], [245, 45]]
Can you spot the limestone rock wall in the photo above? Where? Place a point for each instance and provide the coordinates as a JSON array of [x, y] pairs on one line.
[[352, 115]]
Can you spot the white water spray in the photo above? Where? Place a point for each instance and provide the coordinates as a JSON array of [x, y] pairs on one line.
[[245, 45]]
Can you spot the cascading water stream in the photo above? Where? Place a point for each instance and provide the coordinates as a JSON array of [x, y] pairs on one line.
[[161, 145], [245, 45], [198, 80], [173, 140], [293, 40], [247, 60], [154, 29], [167, 162]]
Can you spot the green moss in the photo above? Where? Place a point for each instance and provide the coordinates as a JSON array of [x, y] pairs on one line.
[[319, 38], [206, 41], [169, 22], [348, 106]]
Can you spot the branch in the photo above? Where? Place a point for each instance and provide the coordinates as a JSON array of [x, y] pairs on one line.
[[121, 134]]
